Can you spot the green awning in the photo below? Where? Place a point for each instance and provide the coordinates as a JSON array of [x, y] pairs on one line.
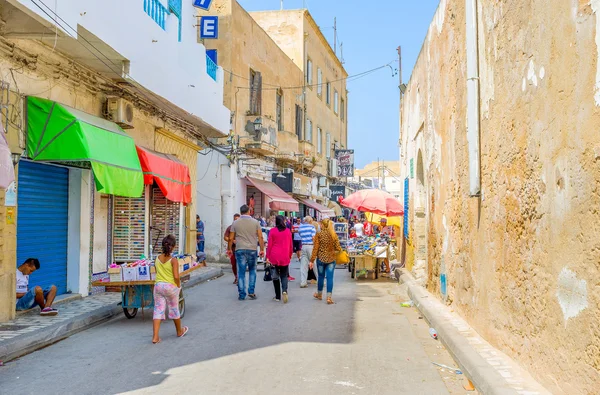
[[59, 133]]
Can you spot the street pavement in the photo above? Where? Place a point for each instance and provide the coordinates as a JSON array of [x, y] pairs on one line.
[[364, 344]]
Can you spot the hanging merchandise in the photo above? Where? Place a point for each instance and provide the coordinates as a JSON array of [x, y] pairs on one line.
[[165, 219], [129, 228]]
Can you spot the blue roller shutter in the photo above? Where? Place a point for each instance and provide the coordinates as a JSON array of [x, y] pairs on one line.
[[42, 222]]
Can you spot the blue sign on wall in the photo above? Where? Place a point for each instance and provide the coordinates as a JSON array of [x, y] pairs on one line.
[[204, 4], [212, 54], [209, 27]]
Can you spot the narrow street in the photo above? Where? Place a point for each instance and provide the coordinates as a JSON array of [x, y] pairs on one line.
[[364, 344]]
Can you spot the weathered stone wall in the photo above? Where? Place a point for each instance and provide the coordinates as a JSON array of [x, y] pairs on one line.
[[521, 260]]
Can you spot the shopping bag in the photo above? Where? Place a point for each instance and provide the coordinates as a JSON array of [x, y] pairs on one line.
[[268, 275], [342, 258]]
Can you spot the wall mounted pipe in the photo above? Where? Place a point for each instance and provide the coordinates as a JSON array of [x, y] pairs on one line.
[[473, 124]]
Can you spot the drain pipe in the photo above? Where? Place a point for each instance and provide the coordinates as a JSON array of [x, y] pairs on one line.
[[473, 132]]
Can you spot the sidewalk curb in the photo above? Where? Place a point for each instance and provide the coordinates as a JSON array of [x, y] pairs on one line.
[[25, 344], [486, 378]]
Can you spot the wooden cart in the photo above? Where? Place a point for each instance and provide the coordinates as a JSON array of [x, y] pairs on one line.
[[370, 263], [139, 294]]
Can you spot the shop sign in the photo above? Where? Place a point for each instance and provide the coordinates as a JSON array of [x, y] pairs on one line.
[[203, 4], [209, 27], [345, 159], [285, 182], [338, 192]]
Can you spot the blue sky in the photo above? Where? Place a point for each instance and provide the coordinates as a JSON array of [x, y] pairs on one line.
[[371, 32]]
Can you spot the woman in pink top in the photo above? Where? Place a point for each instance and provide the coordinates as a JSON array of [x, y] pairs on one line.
[[279, 254]]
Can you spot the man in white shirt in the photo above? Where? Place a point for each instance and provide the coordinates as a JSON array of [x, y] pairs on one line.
[[360, 229], [29, 298]]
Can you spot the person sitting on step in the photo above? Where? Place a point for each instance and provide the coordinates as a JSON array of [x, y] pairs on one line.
[[29, 298]]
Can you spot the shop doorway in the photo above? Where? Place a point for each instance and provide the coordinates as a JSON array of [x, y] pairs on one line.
[[165, 219], [129, 229], [42, 224], [254, 199]]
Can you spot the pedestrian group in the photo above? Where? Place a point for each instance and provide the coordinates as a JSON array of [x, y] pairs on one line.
[[315, 244]]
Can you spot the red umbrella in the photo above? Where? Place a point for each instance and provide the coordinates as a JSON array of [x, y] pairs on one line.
[[374, 201]]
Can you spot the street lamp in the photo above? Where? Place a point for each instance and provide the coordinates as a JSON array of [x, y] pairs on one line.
[[257, 124]]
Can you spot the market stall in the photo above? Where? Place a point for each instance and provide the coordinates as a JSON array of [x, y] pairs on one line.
[[136, 281], [369, 253]]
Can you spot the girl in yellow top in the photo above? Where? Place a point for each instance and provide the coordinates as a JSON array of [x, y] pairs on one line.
[[325, 249], [167, 289]]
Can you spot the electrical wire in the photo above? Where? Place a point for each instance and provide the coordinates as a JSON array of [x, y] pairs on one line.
[[207, 167], [101, 53], [349, 78]]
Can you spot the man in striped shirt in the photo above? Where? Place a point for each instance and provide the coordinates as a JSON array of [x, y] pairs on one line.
[[307, 233]]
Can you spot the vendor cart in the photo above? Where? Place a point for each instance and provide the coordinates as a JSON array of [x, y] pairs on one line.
[[140, 294], [363, 264]]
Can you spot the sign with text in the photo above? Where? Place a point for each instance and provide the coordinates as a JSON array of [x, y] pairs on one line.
[[209, 27], [337, 192], [345, 159], [203, 4]]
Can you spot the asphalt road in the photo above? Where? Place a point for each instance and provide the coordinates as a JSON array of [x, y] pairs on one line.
[[364, 344]]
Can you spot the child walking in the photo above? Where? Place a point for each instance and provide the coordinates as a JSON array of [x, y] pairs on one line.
[[167, 289]]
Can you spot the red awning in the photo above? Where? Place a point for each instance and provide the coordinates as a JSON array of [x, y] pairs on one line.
[[170, 174], [319, 207], [281, 201]]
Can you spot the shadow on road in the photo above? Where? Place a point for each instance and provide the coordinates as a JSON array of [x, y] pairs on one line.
[[118, 357]]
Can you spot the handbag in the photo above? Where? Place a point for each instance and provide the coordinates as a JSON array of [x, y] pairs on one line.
[[268, 275], [342, 258]]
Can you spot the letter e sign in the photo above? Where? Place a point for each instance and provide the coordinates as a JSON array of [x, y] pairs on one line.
[[204, 4], [209, 27]]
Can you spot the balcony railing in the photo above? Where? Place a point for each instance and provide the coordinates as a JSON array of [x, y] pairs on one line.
[[211, 68], [156, 11]]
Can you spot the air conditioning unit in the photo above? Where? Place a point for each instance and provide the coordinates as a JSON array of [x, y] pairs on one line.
[[322, 181], [287, 170], [120, 111]]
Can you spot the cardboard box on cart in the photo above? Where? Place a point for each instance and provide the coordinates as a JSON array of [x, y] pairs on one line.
[[130, 273], [114, 273], [143, 273]]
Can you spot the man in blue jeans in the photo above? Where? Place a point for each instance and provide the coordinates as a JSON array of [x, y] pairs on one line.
[[36, 296], [247, 233], [199, 233]]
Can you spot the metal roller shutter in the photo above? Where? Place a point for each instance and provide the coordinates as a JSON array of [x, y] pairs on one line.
[[42, 224], [165, 220], [129, 228]]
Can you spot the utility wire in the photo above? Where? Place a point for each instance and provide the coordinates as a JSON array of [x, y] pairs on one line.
[[95, 55], [349, 78]]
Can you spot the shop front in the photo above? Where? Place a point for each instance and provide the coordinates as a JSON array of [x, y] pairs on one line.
[[72, 156], [267, 197], [316, 210], [141, 223]]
